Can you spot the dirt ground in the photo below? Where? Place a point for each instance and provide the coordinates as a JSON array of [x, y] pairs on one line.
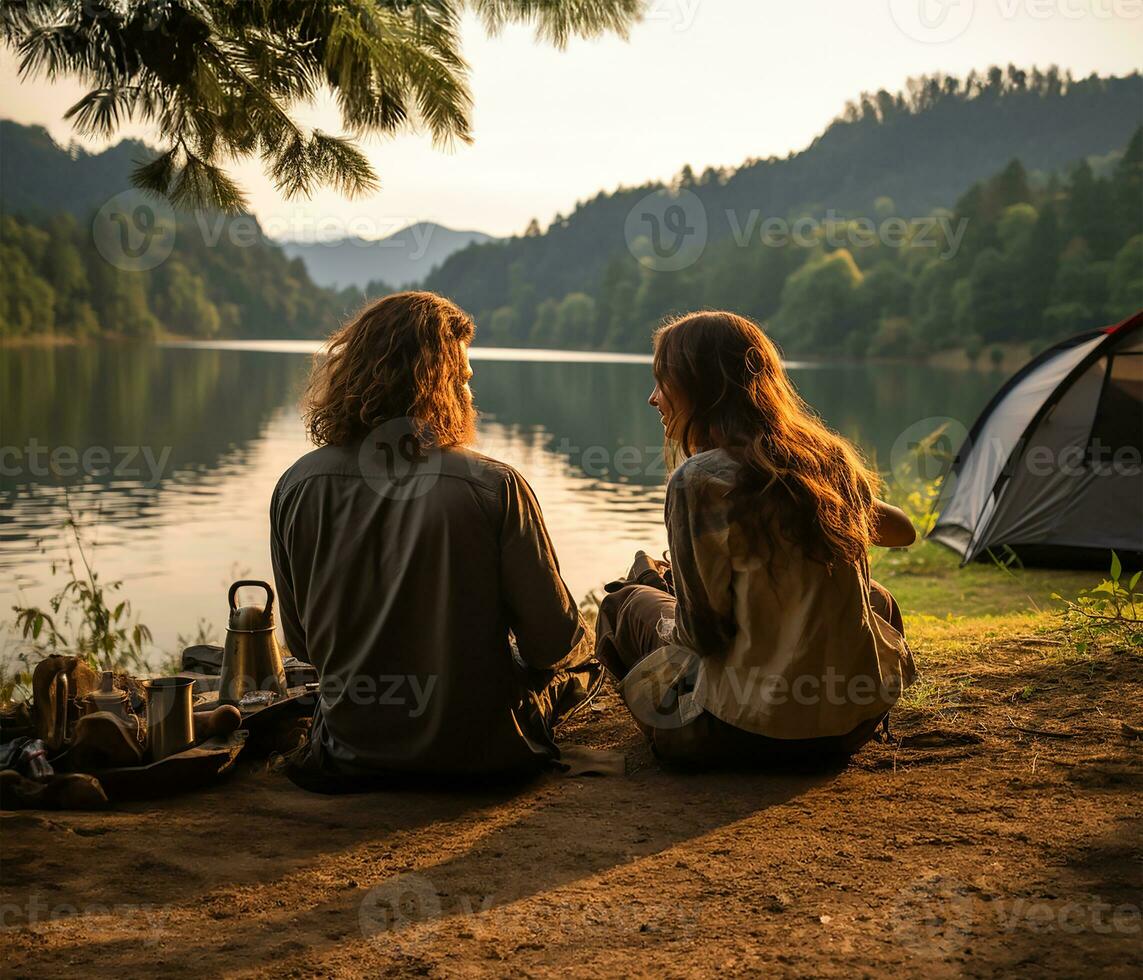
[[999, 834]]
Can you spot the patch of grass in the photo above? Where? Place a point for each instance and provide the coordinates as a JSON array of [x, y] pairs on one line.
[[967, 664], [927, 580], [929, 693]]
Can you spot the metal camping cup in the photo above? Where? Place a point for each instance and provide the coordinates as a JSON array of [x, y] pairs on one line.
[[170, 719], [251, 660]]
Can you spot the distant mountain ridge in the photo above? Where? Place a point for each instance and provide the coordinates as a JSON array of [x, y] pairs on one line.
[[39, 178], [919, 149], [1007, 150], [402, 259]]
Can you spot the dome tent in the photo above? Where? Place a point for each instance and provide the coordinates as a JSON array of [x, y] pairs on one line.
[[1052, 467]]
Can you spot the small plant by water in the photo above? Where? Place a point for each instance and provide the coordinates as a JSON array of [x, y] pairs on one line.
[[85, 617]]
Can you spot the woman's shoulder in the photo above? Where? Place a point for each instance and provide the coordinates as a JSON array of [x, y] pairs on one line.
[[713, 467]]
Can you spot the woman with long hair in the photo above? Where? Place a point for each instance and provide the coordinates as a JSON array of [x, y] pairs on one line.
[[764, 638]]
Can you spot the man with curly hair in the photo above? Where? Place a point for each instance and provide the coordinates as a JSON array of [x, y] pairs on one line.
[[415, 574]]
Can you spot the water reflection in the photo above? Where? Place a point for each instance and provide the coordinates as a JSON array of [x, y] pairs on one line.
[[220, 426]]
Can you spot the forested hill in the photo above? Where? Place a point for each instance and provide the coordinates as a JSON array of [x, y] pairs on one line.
[[1036, 181], [39, 178], [1015, 261], [910, 153], [219, 276]]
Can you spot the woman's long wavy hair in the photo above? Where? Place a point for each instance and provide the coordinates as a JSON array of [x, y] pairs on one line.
[[400, 357], [728, 389]]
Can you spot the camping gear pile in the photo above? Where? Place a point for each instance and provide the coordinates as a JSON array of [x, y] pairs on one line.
[[1052, 468], [89, 738]]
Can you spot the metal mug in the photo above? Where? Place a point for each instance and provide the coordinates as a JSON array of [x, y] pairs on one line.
[[170, 719]]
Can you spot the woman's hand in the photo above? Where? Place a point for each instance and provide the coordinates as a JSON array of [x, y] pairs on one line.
[[891, 528]]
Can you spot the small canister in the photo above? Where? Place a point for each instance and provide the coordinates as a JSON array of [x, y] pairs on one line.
[[109, 698]]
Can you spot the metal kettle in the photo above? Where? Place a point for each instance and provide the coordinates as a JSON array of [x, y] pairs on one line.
[[251, 660]]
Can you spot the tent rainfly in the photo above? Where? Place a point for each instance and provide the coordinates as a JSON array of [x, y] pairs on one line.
[[1053, 467]]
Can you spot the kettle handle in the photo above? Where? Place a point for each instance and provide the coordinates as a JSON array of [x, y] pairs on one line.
[[257, 584], [62, 691]]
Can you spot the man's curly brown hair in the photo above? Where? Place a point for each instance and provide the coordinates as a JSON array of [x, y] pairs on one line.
[[400, 357]]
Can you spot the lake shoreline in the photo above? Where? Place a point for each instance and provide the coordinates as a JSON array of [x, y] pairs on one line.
[[50, 340], [1011, 358]]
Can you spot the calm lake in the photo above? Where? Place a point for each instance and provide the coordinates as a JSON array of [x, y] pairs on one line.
[[168, 456]]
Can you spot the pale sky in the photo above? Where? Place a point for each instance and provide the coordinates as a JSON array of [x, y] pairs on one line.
[[704, 82]]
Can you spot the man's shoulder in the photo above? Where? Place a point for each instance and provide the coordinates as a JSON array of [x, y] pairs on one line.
[[345, 461], [323, 461], [467, 464]]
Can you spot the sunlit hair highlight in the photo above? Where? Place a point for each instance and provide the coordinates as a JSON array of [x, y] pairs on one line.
[[399, 357], [797, 480]]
